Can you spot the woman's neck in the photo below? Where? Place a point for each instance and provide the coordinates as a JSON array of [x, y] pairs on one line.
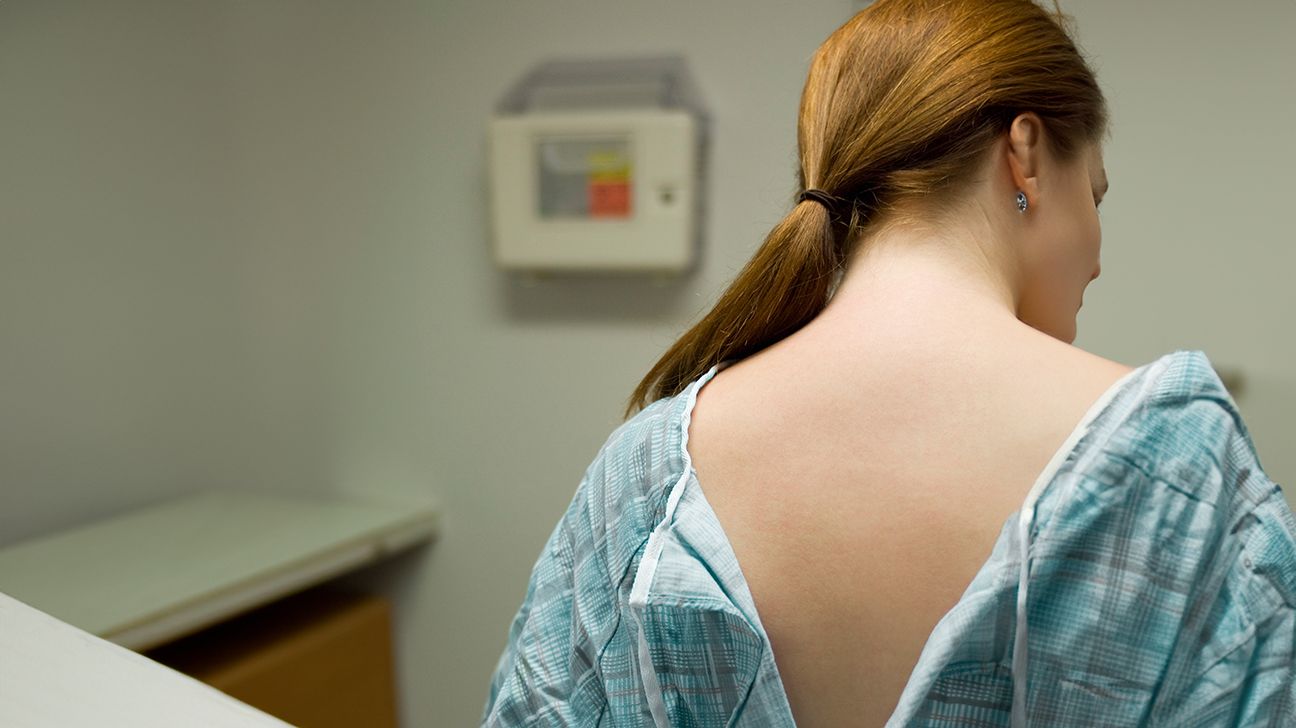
[[908, 280]]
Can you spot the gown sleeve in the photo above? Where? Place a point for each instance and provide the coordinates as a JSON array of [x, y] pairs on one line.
[[1162, 587], [1234, 663], [1215, 596], [545, 675]]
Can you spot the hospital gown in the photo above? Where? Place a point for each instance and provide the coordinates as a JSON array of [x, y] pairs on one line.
[[1158, 591]]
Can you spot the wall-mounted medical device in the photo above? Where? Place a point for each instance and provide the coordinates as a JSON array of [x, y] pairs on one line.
[[597, 166]]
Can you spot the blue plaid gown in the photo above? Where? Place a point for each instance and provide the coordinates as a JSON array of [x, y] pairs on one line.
[[1158, 591]]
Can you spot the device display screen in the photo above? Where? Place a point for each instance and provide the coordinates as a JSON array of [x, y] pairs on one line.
[[585, 177]]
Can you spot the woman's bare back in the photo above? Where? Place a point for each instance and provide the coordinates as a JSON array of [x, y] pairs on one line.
[[862, 498]]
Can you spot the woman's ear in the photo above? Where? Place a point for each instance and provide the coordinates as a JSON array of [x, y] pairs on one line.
[[1024, 149]]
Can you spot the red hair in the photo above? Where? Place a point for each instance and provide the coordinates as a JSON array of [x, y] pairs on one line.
[[901, 102]]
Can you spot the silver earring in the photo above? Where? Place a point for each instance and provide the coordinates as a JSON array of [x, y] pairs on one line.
[[1021, 201]]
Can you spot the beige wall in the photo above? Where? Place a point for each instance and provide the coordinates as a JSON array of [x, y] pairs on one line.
[[243, 244], [124, 372], [1198, 242]]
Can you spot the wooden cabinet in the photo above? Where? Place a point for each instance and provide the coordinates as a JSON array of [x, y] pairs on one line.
[[320, 659]]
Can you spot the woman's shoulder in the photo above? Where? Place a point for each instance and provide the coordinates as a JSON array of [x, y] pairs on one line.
[[1174, 446], [1164, 502], [1179, 390], [1167, 446], [1173, 417], [646, 450], [623, 492], [1181, 408]]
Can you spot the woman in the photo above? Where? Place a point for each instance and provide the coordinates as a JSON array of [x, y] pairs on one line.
[[884, 412]]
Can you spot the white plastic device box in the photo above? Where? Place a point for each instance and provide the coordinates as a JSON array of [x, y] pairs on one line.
[[596, 166]]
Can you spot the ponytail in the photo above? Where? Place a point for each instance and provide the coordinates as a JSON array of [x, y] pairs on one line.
[[783, 287], [901, 102]]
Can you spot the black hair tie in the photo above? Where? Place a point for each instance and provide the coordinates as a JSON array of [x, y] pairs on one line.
[[823, 198]]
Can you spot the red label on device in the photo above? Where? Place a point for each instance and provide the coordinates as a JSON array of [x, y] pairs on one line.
[[609, 198]]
